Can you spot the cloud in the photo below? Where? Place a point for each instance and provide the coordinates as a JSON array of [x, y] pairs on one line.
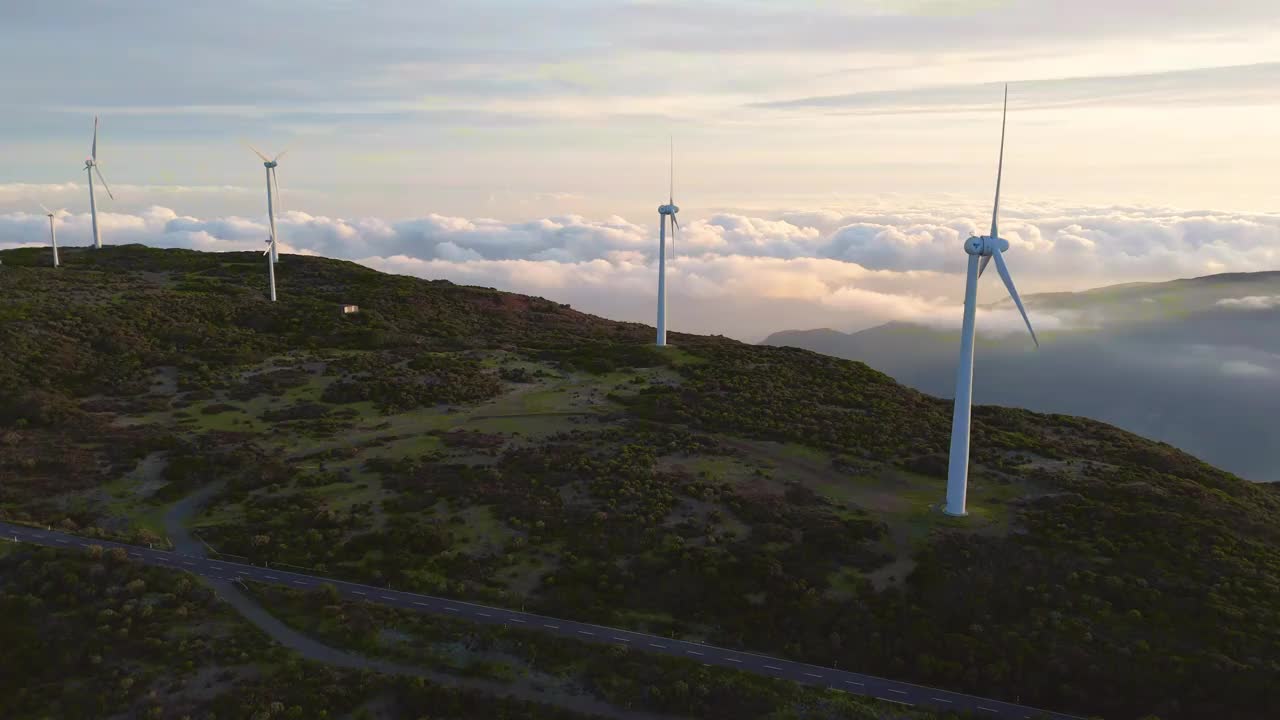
[[1245, 369], [739, 274], [1251, 302]]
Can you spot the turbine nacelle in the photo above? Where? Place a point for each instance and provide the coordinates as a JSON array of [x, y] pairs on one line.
[[270, 164], [668, 209], [985, 245]]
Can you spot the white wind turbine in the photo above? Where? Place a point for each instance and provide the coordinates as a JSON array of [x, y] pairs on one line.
[[91, 167], [272, 180], [665, 211], [985, 247], [271, 267], [53, 236]]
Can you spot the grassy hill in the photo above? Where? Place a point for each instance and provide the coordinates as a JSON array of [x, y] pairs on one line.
[[470, 442]]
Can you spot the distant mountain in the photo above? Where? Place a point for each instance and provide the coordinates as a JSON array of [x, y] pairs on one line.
[[1194, 362]]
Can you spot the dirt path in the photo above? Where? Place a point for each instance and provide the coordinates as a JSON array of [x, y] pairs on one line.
[[175, 523]]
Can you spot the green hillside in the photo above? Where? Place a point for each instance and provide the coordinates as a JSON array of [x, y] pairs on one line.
[[469, 442]]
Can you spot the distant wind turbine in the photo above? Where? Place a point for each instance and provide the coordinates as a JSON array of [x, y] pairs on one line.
[[665, 211], [53, 236], [91, 167], [985, 247], [272, 195]]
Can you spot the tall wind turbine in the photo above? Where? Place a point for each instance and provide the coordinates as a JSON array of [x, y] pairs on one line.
[[91, 167], [985, 247], [270, 164], [53, 236], [665, 211]]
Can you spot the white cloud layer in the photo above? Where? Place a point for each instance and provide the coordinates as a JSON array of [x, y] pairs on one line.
[[741, 275]]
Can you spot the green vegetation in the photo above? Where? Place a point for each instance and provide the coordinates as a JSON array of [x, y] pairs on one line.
[[473, 443]]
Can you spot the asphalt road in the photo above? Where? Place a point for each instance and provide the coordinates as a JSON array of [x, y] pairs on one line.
[[844, 681]]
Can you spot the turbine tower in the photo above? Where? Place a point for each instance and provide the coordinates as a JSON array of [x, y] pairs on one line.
[[53, 236], [270, 253], [985, 247], [665, 211], [91, 167], [270, 164]]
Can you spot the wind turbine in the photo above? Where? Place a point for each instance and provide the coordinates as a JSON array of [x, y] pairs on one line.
[[985, 247], [53, 236], [270, 164], [665, 211], [91, 167]]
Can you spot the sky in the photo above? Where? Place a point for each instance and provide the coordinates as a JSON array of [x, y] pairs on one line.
[[830, 157]]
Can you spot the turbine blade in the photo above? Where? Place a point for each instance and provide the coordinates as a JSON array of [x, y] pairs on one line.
[[93, 151], [1013, 292], [258, 153], [995, 214], [982, 267], [46, 210], [275, 180], [104, 182], [674, 226], [277, 157]]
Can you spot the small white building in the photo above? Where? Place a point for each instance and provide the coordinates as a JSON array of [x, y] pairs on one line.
[[350, 309]]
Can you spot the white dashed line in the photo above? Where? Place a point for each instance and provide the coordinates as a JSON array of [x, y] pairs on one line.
[[273, 577], [298, 582], [621, 639], [584, 632], [987, 709], [415, 602], [387, 597], [484, 614], [664, 647], [773, 667], [693, 652], [896, 702], [850, 682], [188, 563], [900, 692], [733, 659], [358, 592], [947, 701], [812, 675], [516, 620], [451, 609], [62, 540], [553, 627]]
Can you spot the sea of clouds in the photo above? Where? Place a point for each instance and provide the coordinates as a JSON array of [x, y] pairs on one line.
[[733, 273]]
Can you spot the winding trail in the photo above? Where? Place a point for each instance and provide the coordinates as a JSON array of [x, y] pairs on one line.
[[175, 524]]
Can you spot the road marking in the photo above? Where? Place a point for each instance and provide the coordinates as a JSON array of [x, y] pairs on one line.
[[273, 577], [898, 702], [693, 652], [664, 647], [900, 692], [187, 562], [484, 614], [773, 667], [553, 627], [299, 582], [516, 620], [812, 675], [621, 639], [733, 659], [359, 592], [415, 602], [387, 597], [584, 632], [850, 682], [987, 709], [947, 701], [451, 609], [62, 540]]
